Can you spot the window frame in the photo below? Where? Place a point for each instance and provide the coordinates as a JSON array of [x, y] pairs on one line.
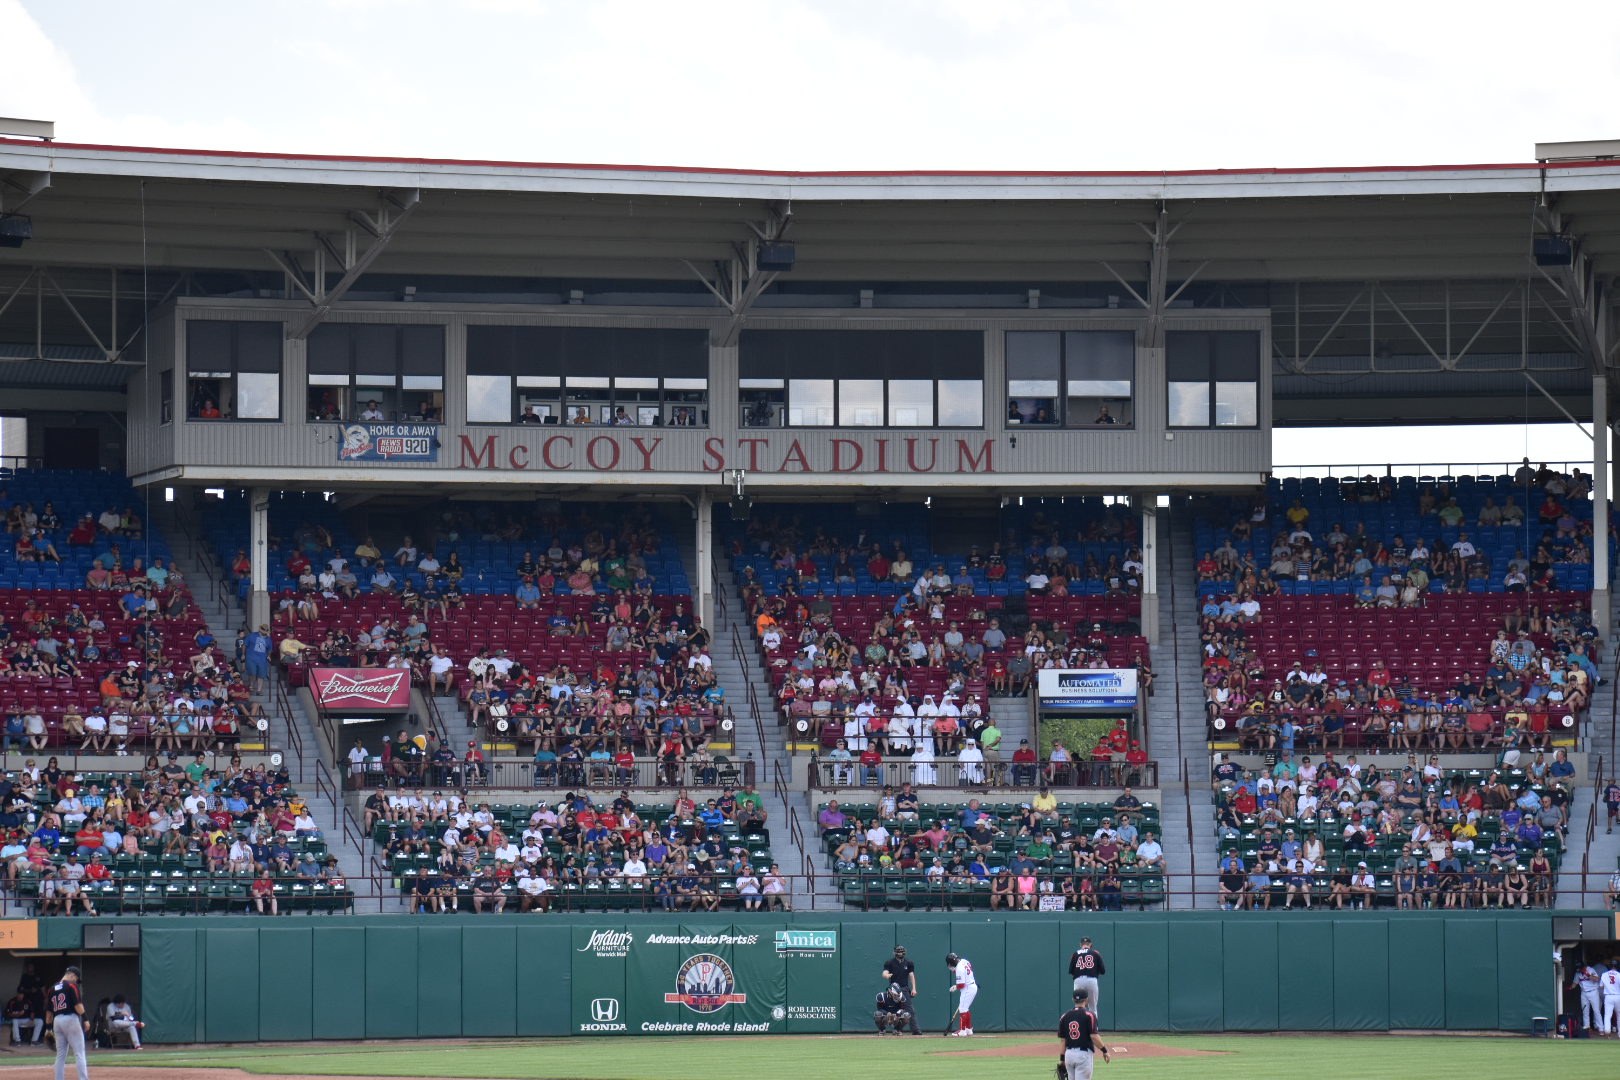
[[226, 369], [1068, 358], [1217, 373], [406, 382], [564, 385]]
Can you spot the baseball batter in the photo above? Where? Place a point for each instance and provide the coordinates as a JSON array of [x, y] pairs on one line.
[[1589, 981], [1086, 965], [962, 981], [1078, 1030], [1610, 982], [66, 1005]]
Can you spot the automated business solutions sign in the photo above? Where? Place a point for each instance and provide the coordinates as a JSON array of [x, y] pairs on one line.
[[1083, 689], [361, 689], [682, 980]]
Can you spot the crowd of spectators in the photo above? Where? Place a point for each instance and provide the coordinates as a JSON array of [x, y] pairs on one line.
[[1411, 835], [1040, 852], [65, 833], [700, 856]]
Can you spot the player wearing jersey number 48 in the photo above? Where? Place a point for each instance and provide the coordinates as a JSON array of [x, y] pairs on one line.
[[1085, 965], [963, 982]]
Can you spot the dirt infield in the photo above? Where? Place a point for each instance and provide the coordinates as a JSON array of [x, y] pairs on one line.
[[1047, 1049]]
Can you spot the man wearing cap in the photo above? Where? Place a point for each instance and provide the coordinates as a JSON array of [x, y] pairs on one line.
[[903, 973], [1086, 966], [65, 1002], [1023, 766]]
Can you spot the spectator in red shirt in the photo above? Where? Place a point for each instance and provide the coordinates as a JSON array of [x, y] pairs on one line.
[[871, 766], [1023, 763]]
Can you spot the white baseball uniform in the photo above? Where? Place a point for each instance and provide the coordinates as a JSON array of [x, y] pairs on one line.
[[1611, 1000], [1589, 980], [966, 984]]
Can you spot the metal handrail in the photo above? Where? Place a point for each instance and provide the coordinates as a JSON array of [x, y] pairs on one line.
[[1415, 468], [1192, 846], [283, 708]]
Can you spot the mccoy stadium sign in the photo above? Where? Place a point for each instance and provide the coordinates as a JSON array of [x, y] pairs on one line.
[[584, 450]]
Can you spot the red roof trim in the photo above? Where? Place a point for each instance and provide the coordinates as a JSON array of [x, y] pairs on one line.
[[786, 173]]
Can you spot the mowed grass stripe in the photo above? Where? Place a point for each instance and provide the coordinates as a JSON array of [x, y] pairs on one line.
[[1241, 1057]]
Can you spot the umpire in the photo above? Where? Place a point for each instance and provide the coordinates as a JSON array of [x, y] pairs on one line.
[[898, 971], [1086, 965]]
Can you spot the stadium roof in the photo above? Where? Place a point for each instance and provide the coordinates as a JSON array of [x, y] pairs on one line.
[[1302, 242]]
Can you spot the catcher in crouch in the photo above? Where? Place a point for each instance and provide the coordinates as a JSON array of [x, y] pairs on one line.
[[893, 1015]]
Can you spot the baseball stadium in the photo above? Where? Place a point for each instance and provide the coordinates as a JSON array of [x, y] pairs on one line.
[[459, 612]]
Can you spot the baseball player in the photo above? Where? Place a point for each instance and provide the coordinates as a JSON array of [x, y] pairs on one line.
[[903, 973], [65, 1003], [1609, 981], [963, 981], [1078, 1030], [1085, 965], [893, 1011], [1589, 981]]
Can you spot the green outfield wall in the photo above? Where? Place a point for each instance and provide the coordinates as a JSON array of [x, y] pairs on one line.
[[352, 977]]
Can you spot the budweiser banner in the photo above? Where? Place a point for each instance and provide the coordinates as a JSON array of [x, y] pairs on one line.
[[361, 689]]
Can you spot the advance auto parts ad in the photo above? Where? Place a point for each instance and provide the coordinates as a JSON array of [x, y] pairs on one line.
[[677, 980]]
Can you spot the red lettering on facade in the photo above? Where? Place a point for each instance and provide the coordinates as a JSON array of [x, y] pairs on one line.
[[883, 456], [478, 459], [838, 455], [545, 452], [967, 462], [911, 455], [512, 457], [590, 453], [714, 457], [646, 451], [753, 450], [795, 452]]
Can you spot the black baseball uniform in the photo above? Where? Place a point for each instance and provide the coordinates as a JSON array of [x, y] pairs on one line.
[[1085, 965], [64, 1000], [903, 973], [892, 1013], [1078, 1030]]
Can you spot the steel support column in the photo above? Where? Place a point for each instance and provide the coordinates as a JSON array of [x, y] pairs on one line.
[[704, 549], [259, 555], [1600, 505], [1148, 504]]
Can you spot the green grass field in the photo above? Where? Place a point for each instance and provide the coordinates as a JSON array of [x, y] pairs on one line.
[[1239, 1057]]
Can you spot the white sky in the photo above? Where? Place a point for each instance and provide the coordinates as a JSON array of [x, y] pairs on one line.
[[844, 84], [823, 84]]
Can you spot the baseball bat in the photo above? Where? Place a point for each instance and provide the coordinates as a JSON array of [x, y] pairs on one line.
[[950, 1025]]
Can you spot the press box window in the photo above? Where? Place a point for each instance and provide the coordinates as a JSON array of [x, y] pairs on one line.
[[1213, 378], [379, 373], [587, 375], [233, 370], [861, 378], [1076, 378]]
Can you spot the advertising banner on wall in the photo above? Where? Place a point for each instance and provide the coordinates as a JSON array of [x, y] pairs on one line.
[[361, 689], [672, 979], [1081, 689], [389, 442]]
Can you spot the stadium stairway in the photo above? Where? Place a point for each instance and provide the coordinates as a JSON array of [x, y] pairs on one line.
[[1176, 733], [217, 601], [1602, 858], [735, 678]]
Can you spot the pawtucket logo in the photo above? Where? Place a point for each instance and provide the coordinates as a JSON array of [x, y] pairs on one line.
[[338, 688], [705, 984]]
